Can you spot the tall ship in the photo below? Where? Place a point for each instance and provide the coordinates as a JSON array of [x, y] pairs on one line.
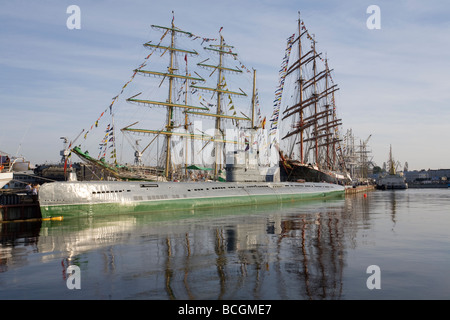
[[188, 103], [224, 139], [392, 179], [304, 127]]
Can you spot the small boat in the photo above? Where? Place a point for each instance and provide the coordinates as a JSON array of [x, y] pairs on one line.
[[392, 180], [7, 164]]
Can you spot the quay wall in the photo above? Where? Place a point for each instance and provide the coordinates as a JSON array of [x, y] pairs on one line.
[[358, 189], [17, 205]]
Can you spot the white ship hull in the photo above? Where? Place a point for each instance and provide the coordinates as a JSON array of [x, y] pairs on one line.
[[392, 182], [5, 178], [100, 197]]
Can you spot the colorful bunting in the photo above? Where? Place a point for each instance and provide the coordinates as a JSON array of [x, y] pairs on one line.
[[109, 139], [279, 90]]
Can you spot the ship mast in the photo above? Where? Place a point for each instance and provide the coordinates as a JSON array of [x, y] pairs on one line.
[[186, 125], [312, 114], [219, 99], [300, 83], [253, 100], [316, 133], [327, 130], [222, 50], [391, 162], [253, 127], [169, 103], [169, 125]]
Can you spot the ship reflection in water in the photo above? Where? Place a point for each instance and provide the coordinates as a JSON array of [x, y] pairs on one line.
[[310, 250], [280, 251]]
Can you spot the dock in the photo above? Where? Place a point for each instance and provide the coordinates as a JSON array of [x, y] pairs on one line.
[[359, 189], [17, 205]]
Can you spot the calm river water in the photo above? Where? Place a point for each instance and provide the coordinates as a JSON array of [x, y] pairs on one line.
[[303, 251]]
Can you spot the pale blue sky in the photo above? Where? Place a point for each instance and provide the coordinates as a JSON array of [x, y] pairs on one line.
[[393, 81]]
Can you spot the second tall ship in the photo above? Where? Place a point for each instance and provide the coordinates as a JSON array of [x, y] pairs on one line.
[[305, 124]]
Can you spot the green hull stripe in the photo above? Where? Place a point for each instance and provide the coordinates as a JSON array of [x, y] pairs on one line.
[[78, 210]]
